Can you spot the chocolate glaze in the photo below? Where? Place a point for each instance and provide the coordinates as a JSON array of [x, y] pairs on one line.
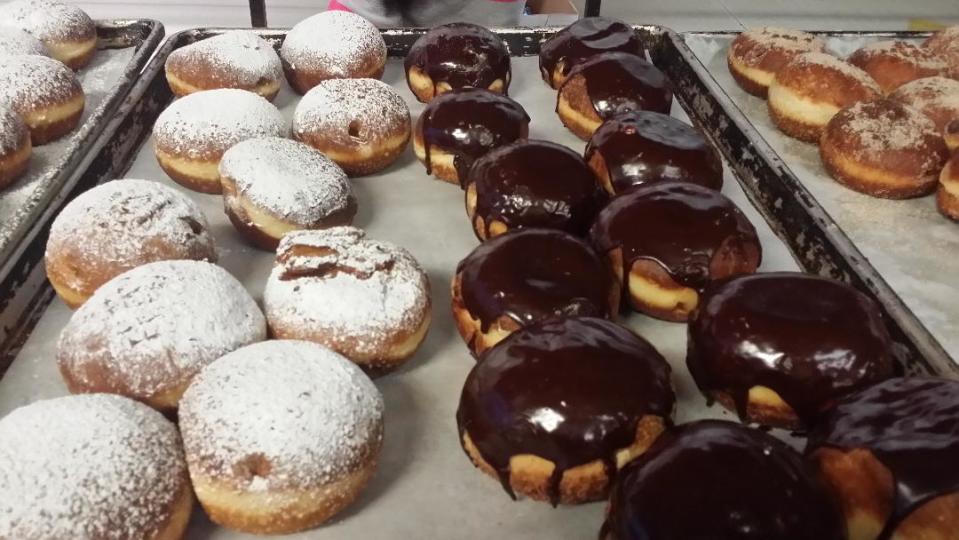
[[536, 184], [719, 480], [911, 425], [463, 55], [679, 225], [585, 38], [643, 146], [620, 82], [470, 123], [808, 338], [568, 390]]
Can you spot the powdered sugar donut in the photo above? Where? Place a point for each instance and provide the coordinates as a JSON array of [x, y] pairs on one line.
[[16, 41], [756, 55], [280, 436], [237, 59], [44, 93], [146, 333], [332, 45], [936, 97], [66, 30], [96, 466], [361, 124], [366, 299], [192, 134], [15, 147], [272, 186], [118, 226], [894, 63]]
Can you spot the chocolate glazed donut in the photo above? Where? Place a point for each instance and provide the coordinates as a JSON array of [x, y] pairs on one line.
[[582, 40]]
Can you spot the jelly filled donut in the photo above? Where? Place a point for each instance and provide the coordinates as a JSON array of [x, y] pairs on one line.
[[945, 43], [607, 399], [635, 148], [118, 226], [716, 479], [236, 59], [280, 436], [361, 124], [894, 63], [148, 332], [67, 32], [192, 134], [526, 276], [459, 127], [951, 135], [44, 92], [756, 55], [16, 41], [947, 194], [609, 84], [581, 41], [888, 456], [666, 241], [532, 184], [779, 348], [936, 97], [15, 146], [96, 466], [454, 56], [332, 45]]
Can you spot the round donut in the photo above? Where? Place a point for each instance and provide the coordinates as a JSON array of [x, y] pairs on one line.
[[236, 59], [936, 97], [68, 33], [810, 89], [16, 41], [454, 56], [635, 148], [280, 436], [894, 63], [192, 134], [365, 299], [273, 185], [149, 331], [44, 92], [332, 45], [945, 43], [951, 135], [15, 146], [361, 124], [526, 276], [947, 194], [666, 241], [532, 184], [95, 466], [581, 41], [883, 148], [756, 55]]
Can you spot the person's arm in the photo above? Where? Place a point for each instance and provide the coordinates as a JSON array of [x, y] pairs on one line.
[[385, 13]]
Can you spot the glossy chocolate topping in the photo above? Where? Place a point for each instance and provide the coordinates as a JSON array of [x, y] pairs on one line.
[[911, 425], [808, 338], [644, 146], [462, 55], [719, 480], [536, 184], [679, 225], [620, 82], [585, 38], [568, 390], [470, 123]]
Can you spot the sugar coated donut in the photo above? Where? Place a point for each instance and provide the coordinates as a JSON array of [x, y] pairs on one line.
[[16, 41], [68, 33], [945, 43], [332, 45], [361, 124], [192, 134], [280, 436], [936, 97], [94, 466], [756, 55], [237, 59], [44, 93], [947, 194], [894, 63], [581, 41], [149, 331], [15, 146]]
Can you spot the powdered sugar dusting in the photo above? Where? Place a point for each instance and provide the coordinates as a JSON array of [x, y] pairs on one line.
[[887, 126], [902, 51], [769, 38], [12, 131], [373, 107], [931, 95], [841, 66], [238, 57], [16, 41], [88, 466], [338, 42], [30, 81], [49, 20]]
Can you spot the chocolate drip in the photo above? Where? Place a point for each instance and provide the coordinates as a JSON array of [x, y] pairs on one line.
[[585, 38], [462, 55], [716, 479], [809, 339], [644, 146], [571, 391], [911, 425], [619, 82], [536, 184], [470, 123]]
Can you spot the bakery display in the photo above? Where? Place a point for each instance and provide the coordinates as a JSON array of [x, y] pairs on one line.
[[757, 54], [947, 193], [67, 32], [894, 63], [945, 43], [16, 41], [118, 226], [272, 186], [532, 184], [149, 331], [44, 92], [609, 397], [887, 454], [936, 97], [361, 124], [94, 466], [236, 59], [666, 241], [716, 479], [581, 41], [280, 436], [15, 146], [526, 276]]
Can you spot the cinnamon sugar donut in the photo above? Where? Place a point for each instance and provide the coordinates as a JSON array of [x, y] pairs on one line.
[[894, 63], [361, 124], [936, 97], [236, 59], [68, 33], [15, 147], [44, 93], [149, 331], [756, 55], [365, 299], [94, 466], [16, 41], [945, 43], [280, 436], [947, 194]]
